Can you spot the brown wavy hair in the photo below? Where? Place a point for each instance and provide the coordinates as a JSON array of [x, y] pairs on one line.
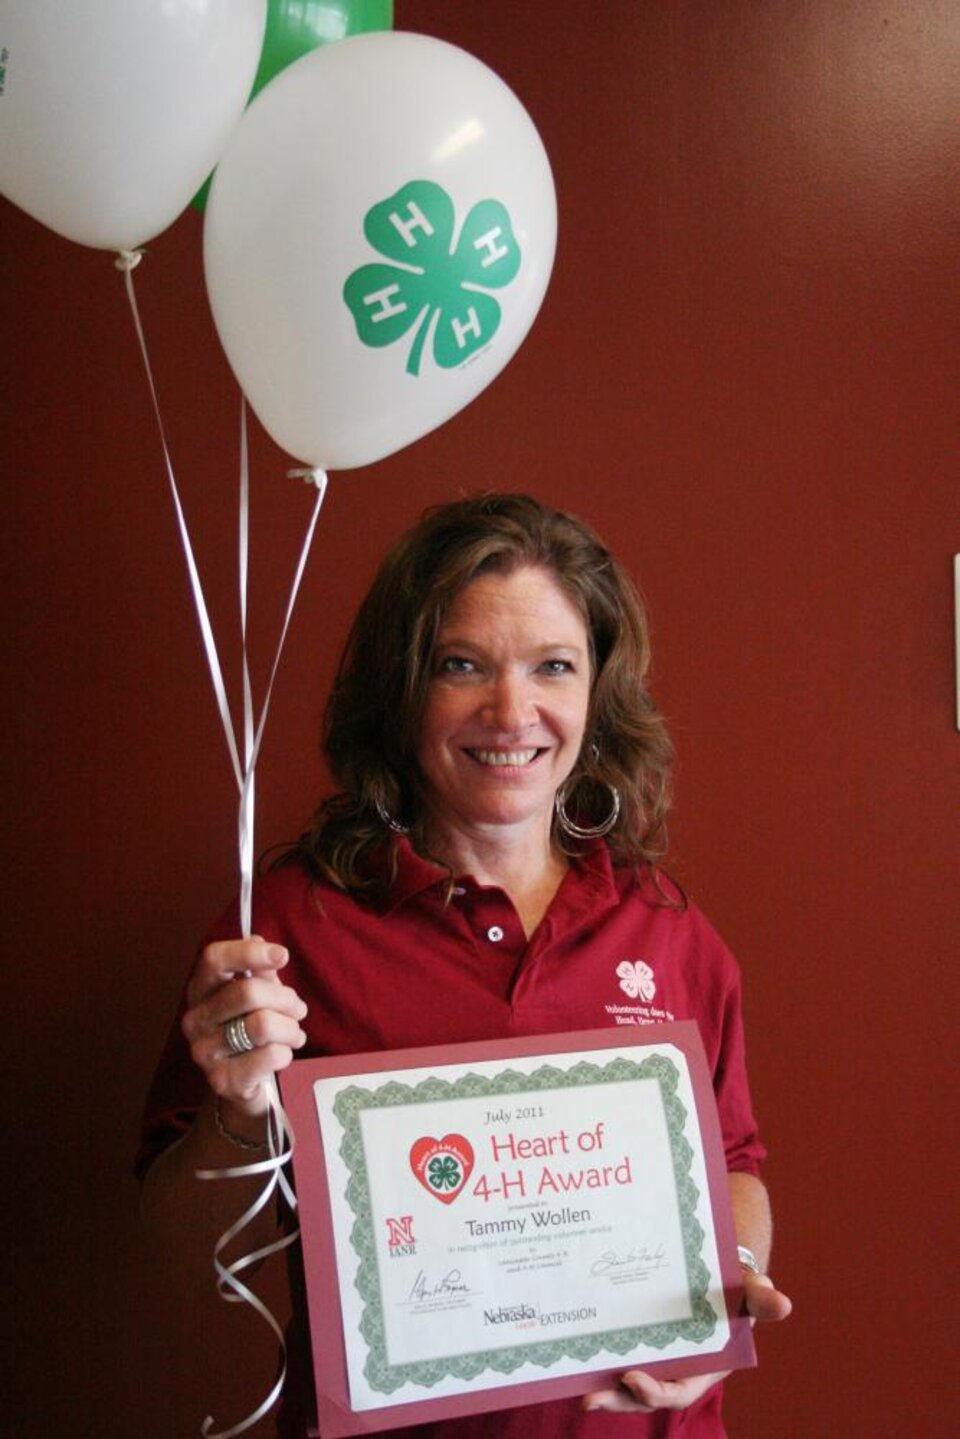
[[372, 720]]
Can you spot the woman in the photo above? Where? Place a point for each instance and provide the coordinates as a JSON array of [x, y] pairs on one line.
[[489, 861]]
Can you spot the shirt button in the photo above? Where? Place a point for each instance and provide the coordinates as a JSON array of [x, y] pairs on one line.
[[495, 933]]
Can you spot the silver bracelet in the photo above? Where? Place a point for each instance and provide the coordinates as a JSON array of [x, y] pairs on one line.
[[748, 1260], [239, 1141]]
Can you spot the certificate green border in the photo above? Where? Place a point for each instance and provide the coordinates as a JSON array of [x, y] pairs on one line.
[[385, 1378]]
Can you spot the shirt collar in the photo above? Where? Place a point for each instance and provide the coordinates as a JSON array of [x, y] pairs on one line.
[[416, 874]]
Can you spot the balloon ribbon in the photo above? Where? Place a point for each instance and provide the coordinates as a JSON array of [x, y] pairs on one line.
[[279, 1132]]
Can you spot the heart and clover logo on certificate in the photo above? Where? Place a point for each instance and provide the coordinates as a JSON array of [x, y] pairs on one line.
[[442, 1166]]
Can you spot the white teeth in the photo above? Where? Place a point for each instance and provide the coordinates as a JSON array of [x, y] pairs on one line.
[[504, 756]]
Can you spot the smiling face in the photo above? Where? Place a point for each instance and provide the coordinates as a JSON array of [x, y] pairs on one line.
[[506, 705]]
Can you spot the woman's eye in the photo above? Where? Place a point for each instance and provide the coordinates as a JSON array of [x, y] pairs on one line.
[[557, 667], [455, 665]]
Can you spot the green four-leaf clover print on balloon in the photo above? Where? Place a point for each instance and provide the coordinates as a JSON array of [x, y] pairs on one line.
[[432, 286]]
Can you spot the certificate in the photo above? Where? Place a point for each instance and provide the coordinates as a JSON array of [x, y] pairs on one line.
[[502, 1223]]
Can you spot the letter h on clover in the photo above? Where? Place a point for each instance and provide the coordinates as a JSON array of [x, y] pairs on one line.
[[431, 283]]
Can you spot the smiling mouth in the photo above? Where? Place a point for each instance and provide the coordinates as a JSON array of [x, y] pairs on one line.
[[505, 758]]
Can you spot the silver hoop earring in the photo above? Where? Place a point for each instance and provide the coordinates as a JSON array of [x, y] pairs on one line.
[[578, 831], [388, 819]]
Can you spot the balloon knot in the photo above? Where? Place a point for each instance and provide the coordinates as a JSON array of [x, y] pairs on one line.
[[316, 477], [128, 260]]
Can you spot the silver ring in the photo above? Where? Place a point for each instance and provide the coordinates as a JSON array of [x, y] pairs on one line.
[[236, 1037]]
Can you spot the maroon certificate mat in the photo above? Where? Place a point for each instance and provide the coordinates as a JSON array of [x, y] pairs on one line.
[[504, 1223]]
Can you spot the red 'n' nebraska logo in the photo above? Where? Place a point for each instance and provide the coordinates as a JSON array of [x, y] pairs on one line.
[[442, 1166], [400, 1237]]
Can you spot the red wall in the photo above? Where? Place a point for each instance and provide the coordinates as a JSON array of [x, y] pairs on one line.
[[745, 374]]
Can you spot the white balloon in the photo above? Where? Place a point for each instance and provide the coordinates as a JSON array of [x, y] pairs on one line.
[[114, 112], [378, 240]]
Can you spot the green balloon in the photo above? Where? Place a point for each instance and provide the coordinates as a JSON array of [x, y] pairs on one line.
[[296, 26]]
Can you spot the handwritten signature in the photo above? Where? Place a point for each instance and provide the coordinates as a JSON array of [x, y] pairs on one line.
[[451, 1283], [642, 1260]]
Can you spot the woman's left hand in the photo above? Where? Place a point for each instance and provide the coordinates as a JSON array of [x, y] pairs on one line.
[[640, 1393]]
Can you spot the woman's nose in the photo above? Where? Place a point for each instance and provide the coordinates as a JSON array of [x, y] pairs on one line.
[[510, 704]]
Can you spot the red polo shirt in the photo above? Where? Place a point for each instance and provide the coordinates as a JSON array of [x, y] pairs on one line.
[[420, 970]]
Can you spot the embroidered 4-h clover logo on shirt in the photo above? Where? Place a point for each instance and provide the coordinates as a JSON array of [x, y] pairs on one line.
[[636, 979], [432, 285]]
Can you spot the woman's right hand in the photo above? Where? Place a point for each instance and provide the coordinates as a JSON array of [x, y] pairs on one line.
[[241, 978]]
